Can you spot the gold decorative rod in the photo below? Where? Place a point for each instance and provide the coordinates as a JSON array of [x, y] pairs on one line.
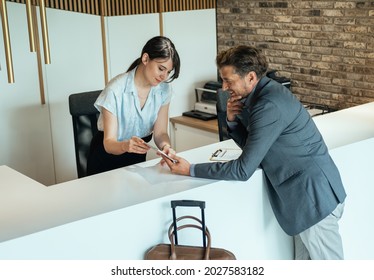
[[103, 13], [30, 25], [38, 55], [43, 19], [7, 47]]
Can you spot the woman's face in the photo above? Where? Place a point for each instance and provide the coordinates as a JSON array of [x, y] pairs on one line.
[[157, 70]]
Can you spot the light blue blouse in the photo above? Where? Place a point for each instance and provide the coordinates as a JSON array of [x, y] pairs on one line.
[[120, 97]]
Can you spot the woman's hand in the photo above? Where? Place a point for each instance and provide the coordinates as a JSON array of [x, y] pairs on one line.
[[167, 149], [136, 145]]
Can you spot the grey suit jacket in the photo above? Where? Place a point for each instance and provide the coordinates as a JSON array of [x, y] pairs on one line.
[[277, 134]]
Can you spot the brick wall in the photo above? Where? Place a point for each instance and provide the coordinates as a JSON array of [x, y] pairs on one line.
[[325, 47]]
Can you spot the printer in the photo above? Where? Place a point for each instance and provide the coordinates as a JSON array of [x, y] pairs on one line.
[[206, 100], [206, 97]]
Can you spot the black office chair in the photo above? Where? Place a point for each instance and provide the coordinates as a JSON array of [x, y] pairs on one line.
[[84, 115], [222, 97]]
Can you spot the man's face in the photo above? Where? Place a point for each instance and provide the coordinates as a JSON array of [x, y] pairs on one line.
[[234, 83]]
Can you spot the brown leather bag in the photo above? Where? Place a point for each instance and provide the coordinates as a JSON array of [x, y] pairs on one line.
[[182, 252]]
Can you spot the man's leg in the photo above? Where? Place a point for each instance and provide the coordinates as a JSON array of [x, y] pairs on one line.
[[301, 252], [323, 240]]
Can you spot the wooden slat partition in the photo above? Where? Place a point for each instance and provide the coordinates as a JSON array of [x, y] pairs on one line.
[[125, 7]]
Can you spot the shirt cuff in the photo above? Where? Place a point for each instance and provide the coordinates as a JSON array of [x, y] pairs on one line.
[[231, 125], [192, 170]]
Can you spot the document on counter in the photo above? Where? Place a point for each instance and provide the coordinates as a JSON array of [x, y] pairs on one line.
[[226, 154]]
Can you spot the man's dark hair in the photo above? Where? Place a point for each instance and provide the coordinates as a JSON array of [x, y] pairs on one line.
[[244, 59]]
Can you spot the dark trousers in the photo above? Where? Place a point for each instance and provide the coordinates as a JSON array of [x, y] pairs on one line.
[[100, 161]]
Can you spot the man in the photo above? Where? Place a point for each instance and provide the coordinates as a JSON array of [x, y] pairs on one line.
[[277, 134]]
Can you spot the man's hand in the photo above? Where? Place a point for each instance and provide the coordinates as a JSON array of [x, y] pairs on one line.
[[234, 107], [181, 167]]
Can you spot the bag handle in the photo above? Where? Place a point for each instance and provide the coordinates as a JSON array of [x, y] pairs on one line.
[[173, 254], [188, 203]]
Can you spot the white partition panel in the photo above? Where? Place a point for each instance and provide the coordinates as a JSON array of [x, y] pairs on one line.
[[76, 66], [126, 36], [194, 35]]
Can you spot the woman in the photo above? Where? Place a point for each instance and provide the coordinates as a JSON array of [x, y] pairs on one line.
[[133, 107]]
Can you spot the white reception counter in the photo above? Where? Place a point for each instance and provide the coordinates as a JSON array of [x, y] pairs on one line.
[[121, 213]]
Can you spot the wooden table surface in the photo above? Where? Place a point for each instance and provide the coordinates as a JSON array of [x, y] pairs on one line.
[[211, 125]]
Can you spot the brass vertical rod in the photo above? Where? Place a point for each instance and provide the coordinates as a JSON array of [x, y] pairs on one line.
[[43, 19], [38, 55], [30, 26], [103, 38], [7, 46]]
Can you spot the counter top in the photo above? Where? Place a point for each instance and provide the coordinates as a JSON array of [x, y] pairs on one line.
[[347, 126], [31, 206], [120, 213]]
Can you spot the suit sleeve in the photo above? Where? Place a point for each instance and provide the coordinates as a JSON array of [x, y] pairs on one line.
[[264, 127]]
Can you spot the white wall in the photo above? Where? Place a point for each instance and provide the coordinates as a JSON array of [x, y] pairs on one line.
[[76, 66], [124, 44], [194, 35], [25, 142]]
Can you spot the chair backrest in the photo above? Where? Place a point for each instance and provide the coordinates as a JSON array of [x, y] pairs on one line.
[[84, 116], [222, 97]]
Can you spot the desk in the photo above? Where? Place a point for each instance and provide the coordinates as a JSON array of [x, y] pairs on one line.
[[121, 213], [187, 133], [347, 126], [102, 217]]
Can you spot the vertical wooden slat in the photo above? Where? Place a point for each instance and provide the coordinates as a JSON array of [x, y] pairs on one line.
[[160, 16], [97, 6], [124, 7], [136, 7], [88, 7], [118, 13], [130, 7]]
